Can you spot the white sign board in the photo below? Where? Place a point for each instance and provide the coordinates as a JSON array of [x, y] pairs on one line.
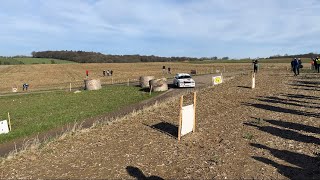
[[4, 127], [187, 119], [217, 80]]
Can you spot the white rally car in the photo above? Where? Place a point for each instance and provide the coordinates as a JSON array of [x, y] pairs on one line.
[[183, 80]]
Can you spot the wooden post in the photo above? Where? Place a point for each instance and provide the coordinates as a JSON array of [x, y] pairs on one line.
[[180, 118], [150, 90], [224, 68], [194, 109], [9, 120], [70, 87], [253, 80]]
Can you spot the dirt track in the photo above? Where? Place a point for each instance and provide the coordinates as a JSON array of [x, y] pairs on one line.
[[272, 131]]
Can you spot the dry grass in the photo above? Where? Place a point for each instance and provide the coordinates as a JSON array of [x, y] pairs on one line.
[[59, 76]]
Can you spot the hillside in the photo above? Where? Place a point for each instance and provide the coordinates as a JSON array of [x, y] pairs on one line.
[[25, 60]]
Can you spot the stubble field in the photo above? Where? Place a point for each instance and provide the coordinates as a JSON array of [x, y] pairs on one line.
[[59, 76]]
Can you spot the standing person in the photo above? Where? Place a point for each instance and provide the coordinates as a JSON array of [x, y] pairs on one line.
[[104, 72], [255, 66], [169, 70], [299, 65], [318, 64], [163, 69], [292, 64], [296, 66], [312, 64], [111, 72]]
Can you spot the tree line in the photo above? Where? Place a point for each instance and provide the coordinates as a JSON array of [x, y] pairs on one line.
[[309, 55], [96, 57]]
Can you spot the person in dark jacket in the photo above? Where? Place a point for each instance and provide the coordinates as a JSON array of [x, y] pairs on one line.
[[292, 64], [296, 66], [255, 66]]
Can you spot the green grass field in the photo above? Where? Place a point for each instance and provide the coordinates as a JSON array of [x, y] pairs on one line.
[[33, 113], [16, 61]]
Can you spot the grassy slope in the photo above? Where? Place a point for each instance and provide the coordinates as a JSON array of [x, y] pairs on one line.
[[15, 61], [43, 61], [35, 113]]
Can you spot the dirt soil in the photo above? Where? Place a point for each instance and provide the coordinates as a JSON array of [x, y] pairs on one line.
[[270, 132]]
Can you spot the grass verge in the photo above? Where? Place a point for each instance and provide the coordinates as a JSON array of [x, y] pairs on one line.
[[34, 113]]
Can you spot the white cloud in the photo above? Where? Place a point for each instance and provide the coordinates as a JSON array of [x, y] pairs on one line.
[[123, 22]]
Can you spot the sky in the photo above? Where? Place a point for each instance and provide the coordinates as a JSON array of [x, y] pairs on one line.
[[194, 28]]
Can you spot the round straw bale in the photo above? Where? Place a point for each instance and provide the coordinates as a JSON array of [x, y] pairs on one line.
[[144, 81], [159, 84], [92, 84]]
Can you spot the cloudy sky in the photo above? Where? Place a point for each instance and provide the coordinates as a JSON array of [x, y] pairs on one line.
[[196, 28]]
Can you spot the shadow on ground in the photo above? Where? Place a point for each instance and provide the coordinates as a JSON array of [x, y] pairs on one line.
[[166, 128], [246, 87], [283, 110], [138, 174], [306, 167]]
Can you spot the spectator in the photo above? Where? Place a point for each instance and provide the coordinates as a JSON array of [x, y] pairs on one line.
[[312, 64], [25, 86], [255, 66], [296, 66], [104, 72], [318, 64], [169, 70], [163, 69], [299, 65], [108, 73], [292, 64], [111, 72]]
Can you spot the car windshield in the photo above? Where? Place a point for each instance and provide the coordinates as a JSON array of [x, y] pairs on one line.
[[184, 77]]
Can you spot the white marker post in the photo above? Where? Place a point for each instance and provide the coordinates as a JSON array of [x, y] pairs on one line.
[[5, 126], [187, 118], [253, 80]]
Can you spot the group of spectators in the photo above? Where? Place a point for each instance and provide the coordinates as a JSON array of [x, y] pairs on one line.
[[164, 71], [296, 64], [107, 72]]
